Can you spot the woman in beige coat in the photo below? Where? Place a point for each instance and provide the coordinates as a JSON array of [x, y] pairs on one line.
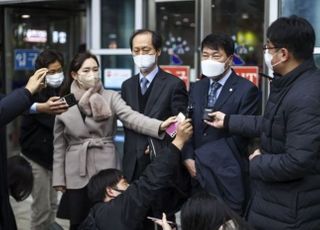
[[83, 136]]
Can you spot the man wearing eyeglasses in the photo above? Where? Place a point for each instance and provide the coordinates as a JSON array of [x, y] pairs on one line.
[[286, 167]]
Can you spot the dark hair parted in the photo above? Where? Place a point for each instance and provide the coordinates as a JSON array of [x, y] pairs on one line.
[[216, 41], [99, 182], [47, 57], [20, 178], [156, 38], [75, 65], [293, 33], [205, 211]]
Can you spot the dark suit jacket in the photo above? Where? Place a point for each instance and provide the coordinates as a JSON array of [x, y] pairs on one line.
[[10, 107], [221, 158], [167, 98]]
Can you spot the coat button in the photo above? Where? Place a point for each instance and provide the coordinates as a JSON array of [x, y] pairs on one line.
[[205, 134]]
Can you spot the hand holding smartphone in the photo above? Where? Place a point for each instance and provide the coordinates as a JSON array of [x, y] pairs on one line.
[[172, 129]]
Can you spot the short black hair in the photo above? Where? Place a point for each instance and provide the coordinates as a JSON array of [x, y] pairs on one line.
[[204, 211], [20, 177], [156, 38], [216, 41], [293, 33], [99, 182], [47, 57]]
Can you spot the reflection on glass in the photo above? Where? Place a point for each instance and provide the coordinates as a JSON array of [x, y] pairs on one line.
[[307, 9], [317, 60], [176, 24], [243, 20], [117, 23]]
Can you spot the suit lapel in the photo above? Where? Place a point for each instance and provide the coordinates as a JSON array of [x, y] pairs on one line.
[[203, 94], [227, 90], [203, 99], [155, 94]]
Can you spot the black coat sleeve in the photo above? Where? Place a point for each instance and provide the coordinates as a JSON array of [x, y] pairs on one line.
[[14, 104], [136, 200]]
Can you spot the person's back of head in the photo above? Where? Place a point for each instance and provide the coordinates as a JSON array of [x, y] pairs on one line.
[[295, 34], [205, 211], [20, 178], [99, 182]]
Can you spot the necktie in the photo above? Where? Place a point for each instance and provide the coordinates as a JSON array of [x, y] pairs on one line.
[[143, 84], [212, 96]]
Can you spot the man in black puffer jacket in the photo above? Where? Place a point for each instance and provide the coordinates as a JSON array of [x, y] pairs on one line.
[[285, 170]]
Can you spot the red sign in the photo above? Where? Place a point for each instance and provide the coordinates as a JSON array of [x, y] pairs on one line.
[[181, 71], [249, 72]]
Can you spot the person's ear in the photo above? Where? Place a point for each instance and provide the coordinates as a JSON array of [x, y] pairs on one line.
[[230, 60], [158, 53], [74, 75], [284, 54]]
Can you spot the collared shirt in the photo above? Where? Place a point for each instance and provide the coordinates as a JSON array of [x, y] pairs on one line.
[[222, 81], [33, 108], [150, 76]]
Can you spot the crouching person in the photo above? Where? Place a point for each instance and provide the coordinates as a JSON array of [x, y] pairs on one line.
[[121, 206]]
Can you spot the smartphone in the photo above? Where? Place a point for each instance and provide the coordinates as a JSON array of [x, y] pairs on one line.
[[206, 114], [172, 129], [189, 112], [69, 99]]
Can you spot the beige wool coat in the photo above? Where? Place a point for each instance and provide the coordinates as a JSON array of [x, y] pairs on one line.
[[83, 147]]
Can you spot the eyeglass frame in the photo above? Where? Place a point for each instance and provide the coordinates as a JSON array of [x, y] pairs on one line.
[[265, 47]]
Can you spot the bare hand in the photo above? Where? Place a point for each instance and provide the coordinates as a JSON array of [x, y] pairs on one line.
[[52, 106], [167, 122], [147, 151], [257, 152], [36, 81], [184, 132], [60, 188], [217, 119], [163, 223], [191, 167]]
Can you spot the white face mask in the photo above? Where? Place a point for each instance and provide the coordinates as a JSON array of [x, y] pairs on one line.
[[55, 80], [268, 60], [144, 61], [88, 81], [212, 68]]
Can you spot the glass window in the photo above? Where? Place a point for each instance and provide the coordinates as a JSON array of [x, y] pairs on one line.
[[307, 9], [176, 24], [243, 20], [117, 22], [317, 60]]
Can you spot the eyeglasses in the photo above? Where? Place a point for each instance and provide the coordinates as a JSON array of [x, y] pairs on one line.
[[266, 47]]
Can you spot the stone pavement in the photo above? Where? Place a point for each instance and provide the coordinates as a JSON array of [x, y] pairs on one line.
[[22, 213]]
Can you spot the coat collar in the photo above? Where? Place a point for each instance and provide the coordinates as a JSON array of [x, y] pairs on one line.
[[284, 81]]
